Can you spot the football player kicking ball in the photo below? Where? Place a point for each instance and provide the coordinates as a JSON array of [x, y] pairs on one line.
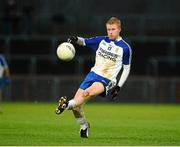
[[112, 55]]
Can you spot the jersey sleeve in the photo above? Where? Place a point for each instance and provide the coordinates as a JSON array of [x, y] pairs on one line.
[[93, 42], [127, 55], [3, 62]]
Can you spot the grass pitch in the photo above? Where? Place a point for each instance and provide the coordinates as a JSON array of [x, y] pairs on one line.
[[36, 124]]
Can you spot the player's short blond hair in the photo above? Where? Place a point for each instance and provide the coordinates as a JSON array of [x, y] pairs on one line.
[[114, 20]]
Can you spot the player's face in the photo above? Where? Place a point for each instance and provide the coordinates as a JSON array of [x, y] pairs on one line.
[[113, 31]]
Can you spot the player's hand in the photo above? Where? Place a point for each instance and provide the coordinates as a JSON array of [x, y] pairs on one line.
[[115, 92], [72, 39]]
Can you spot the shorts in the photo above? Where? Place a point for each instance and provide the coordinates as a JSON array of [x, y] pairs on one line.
[[93, 77]]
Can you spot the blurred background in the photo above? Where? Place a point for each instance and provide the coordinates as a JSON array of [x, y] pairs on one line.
[[31, 30]]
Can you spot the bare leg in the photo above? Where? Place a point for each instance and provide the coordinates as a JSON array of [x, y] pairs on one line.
[[78, 112], [80, 98], [75, 104], [80, 117]]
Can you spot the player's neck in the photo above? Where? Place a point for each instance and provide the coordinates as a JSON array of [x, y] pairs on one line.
[[118, 38]]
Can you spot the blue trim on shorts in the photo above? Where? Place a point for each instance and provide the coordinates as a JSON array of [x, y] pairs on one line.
[[91, 78]]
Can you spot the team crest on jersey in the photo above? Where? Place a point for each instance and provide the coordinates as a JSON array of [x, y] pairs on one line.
[[109, 47]]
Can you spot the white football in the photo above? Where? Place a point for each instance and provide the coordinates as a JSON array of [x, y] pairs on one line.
[[66, 51]]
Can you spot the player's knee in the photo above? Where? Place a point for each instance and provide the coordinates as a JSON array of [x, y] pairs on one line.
[[86, 93]]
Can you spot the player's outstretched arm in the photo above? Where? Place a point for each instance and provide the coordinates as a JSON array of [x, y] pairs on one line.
[[77, 40], [73, 39]]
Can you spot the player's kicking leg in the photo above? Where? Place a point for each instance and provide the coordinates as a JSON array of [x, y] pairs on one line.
[[78, 113], [63, 103]]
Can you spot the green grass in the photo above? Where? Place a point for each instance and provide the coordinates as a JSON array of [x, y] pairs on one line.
[[111, 124]]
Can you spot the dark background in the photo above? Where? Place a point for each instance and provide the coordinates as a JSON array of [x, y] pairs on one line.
[[31, 30], [34, 28]]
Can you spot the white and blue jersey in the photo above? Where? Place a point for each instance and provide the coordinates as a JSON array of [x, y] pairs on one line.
[[4, 80], [110, 55], [3, 65]]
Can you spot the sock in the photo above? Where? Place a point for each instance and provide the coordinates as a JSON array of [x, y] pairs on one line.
[[71, 104], [83, 123]]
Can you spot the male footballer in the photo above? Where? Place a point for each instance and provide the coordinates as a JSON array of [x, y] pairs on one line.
[[112, 55], [4, 75]]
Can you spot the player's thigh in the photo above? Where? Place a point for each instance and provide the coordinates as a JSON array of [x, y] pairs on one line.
[[95, 89], [82, 96]]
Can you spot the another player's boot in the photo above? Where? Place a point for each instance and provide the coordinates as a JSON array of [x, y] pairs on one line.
[[84, 132], [63, 103]]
